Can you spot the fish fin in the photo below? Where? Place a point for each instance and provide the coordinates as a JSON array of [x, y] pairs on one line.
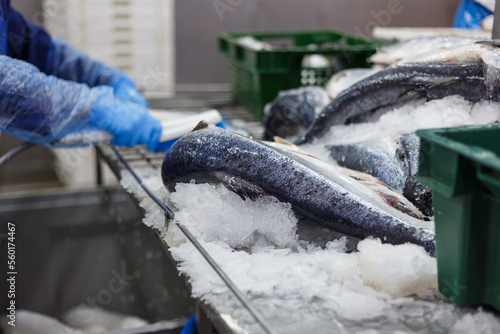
[[201, 125], [281, 140], [400, 203], [426, 84], [409, 95], [492, 42], [445, 81], [243, 188]]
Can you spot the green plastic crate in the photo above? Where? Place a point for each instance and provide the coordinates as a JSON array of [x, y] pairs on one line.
[[462, 167], [257, 76]]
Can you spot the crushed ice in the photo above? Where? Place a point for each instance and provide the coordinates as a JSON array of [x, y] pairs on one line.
[[451, 111], [298, 283]]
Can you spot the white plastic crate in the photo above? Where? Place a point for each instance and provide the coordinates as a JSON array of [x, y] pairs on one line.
[[77, 168], [134, 35]]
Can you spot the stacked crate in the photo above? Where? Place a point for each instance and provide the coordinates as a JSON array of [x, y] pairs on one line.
[[134, 35]]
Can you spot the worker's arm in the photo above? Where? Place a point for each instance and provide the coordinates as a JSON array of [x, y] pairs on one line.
[[21, 39], [27, 41], [44, 109], [68, 63]]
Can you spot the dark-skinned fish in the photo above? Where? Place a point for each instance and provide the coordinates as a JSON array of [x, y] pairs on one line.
[[315, 191], [393, 161], [293, 111], [399, 84]]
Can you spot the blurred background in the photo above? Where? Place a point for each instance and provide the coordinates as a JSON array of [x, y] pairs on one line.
[[169, 46], [188, 28]]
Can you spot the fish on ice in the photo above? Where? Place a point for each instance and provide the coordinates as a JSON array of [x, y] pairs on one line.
[[399, 84], [315, 190], [393, 161]]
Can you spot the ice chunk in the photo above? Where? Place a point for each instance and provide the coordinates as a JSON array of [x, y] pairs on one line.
[[450, 111], [79, 320], [28, 322], [90, 319], [481, 322], [398, 270], [238, 223]]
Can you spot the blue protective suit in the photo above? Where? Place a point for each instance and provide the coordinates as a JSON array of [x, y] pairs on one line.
[[469, 14], [49, 90]]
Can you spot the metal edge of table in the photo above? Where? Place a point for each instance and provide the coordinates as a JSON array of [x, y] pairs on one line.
[[104, 153]]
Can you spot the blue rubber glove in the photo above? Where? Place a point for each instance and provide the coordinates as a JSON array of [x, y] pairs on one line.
[[190, 327], [129, 122], [44, 109], [126, 90], [66, 62]]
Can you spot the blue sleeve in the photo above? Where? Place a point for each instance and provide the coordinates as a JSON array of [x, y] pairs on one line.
[[68, 63], [22, 39], [470, 14], [43, 109]]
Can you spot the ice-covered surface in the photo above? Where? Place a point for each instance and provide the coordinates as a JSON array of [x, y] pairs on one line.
[[151, 178], [302, 277], [450, 111], [417, 46], [79, 320]]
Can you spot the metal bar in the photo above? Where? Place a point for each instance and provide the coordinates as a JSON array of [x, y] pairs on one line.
[[255, 314], [260, 319], [15, 151], [98, 167], [496, 22], [168, 212]]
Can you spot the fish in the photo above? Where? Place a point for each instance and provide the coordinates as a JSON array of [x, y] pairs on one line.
[[416, 192], [399, 84], [292, 112], [461, 54], [315, 191], [418, 46], [378, 157], [346, 78], [388, 194], [393, 161]]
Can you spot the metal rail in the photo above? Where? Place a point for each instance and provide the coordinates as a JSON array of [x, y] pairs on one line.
[[496, 22], [13, 152], [170, 215]]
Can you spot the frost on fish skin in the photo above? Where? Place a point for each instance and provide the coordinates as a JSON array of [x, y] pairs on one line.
[[343, 206]]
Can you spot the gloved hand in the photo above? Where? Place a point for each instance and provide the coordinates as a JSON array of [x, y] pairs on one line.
[[66, 62], [46, 110], [126, 90], [130, 123]]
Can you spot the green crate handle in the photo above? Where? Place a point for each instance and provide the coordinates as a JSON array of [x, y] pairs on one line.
[[489, 179], [239, 52]]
